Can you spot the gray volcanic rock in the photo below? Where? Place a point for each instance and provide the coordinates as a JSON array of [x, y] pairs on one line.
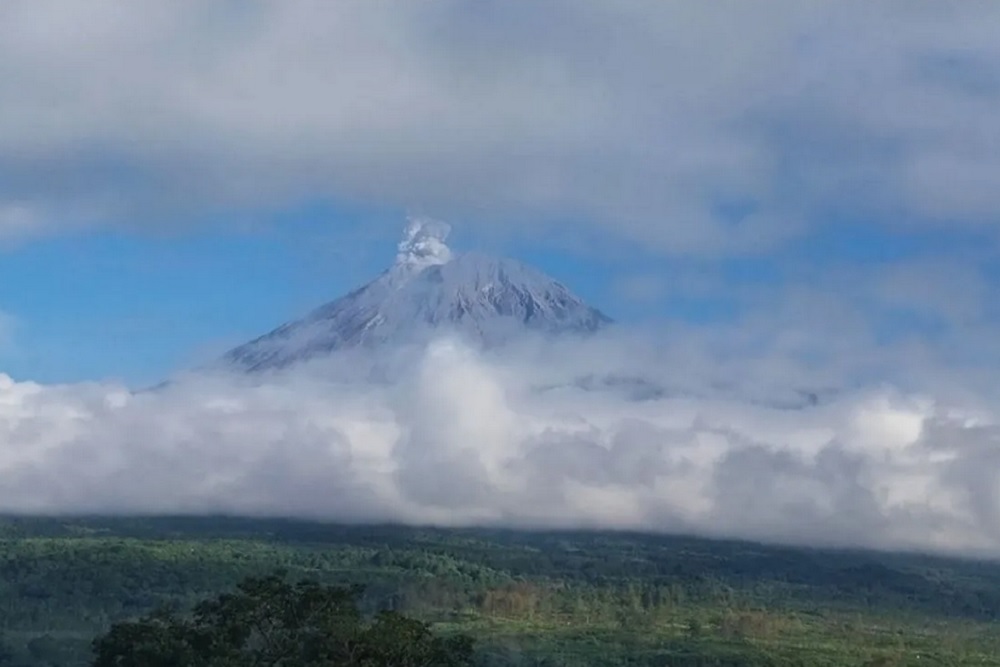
[[428, 291]]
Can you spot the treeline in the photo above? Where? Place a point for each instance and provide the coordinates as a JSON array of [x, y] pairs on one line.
[[530, 598], [77, 562]]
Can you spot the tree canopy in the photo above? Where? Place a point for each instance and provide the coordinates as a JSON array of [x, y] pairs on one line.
[[269, 622]]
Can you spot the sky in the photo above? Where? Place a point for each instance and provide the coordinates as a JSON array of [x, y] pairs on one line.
[[207, 166], [769, 196]]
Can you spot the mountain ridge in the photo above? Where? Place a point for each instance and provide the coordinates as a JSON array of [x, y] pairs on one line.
[[429, 290]]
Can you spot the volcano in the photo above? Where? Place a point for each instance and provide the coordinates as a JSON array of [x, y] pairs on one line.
[[429, 291]]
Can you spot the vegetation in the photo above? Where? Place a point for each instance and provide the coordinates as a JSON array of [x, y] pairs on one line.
[[269, 622], [569, 598]]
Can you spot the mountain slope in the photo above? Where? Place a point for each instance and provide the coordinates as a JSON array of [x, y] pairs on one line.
[[428, 291]]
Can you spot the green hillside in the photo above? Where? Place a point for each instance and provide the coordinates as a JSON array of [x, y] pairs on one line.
[[568, 598]]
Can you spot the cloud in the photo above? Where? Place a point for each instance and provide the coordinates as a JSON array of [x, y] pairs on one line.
[[459, 437], [650, 119], [710, 131], [953, 291], [18, 219]]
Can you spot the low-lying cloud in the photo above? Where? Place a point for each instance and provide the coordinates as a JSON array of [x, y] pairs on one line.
[[533, 437]]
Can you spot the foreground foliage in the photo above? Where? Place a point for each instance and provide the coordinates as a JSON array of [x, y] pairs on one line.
[[269, 622], [569, 598]]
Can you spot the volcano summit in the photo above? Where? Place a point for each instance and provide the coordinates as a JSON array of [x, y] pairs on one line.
[[428, 291]]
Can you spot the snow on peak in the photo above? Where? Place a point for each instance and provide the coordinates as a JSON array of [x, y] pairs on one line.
[[423, 243], [429, 292]]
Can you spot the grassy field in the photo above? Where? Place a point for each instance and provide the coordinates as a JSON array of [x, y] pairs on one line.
[[571, 598]]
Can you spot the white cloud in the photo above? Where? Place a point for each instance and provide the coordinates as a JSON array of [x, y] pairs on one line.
[[466, 438], [640, 116]]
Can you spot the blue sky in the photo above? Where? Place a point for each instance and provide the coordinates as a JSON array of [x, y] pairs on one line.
[[178, 181], [770, 196], [116, 304], [105, 304]]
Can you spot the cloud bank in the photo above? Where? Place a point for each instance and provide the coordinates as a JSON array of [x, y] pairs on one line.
[[709, 129], [844, 405], [531, 437]]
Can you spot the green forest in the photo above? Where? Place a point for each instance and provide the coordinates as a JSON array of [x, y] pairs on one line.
[[525, 598]]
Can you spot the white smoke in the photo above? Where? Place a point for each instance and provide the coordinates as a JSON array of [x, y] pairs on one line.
[[463, 438], [423, 242]]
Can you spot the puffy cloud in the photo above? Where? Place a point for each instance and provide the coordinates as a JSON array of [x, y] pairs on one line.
[[519, 437], [658, 120]]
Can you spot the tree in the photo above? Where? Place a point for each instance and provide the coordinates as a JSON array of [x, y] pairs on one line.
[[268, 622], [6, 653]]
